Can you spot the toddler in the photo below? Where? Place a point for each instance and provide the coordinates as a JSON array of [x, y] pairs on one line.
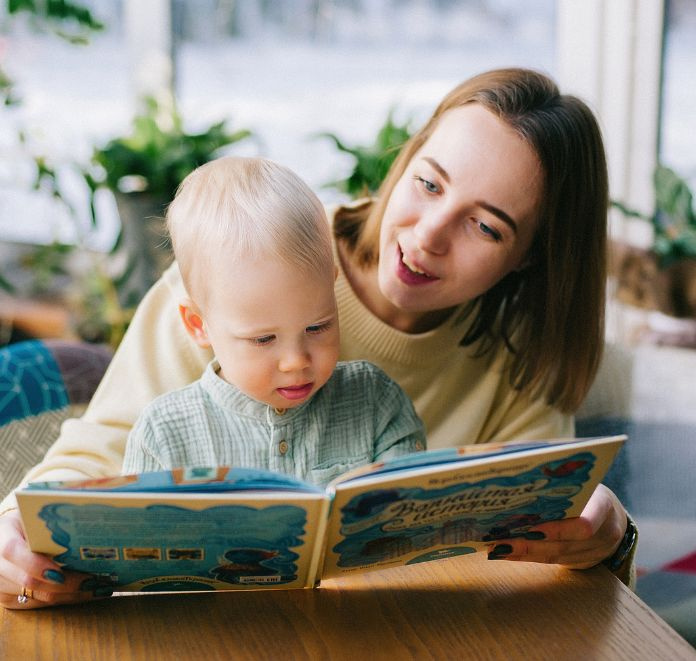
[[254, 248]]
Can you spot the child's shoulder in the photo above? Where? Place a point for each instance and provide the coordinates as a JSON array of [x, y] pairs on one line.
[[361, 372], [175, 401]]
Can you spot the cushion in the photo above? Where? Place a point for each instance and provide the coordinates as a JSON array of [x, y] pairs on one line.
[[42, 383]]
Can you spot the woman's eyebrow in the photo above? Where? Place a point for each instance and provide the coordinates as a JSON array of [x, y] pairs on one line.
[[499, 213], [484, 205], [436, 166]]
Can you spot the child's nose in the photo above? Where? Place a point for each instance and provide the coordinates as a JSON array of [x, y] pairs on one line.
[[294, 358]]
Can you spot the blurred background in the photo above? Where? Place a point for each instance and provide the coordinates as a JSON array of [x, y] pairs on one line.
[[288, 72], [107, 104]]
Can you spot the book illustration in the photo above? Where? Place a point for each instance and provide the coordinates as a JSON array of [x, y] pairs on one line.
[[232, 544], [382, 524]]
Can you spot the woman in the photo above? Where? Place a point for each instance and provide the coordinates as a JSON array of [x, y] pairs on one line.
[[476, 280]]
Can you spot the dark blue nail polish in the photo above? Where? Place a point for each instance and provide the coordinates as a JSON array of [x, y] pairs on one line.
[[53, 575], [534, 534], [499, 551], [103, 591], [89, 584]]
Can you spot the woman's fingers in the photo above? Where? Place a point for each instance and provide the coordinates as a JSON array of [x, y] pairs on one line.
[[578, 543], [33, 575]]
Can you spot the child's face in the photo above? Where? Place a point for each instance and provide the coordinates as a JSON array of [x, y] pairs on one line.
[[273, 329]]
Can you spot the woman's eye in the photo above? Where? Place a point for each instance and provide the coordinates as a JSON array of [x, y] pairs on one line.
[[319, 328], [260, 341], [489, 231], [429, 186]]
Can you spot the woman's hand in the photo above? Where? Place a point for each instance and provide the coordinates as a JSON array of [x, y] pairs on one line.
[[42, 580], [577, 543]]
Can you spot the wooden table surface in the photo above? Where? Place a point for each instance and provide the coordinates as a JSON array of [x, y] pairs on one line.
[[461, 608]]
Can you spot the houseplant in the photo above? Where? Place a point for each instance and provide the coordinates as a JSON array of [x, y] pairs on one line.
[[143, 170], [662, 278], [372, 162]]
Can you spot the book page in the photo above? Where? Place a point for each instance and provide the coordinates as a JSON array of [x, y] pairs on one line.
[[421, 514], [164, 542]]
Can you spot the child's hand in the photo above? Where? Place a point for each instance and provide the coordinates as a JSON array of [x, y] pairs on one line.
[[41, 580]]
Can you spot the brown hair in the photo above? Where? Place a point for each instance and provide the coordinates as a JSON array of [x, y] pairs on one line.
[[551, 313]]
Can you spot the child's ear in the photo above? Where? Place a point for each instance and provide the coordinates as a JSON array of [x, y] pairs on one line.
[[193, 322]]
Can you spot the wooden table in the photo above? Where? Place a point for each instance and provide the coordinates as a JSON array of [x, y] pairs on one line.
[[462, 608]]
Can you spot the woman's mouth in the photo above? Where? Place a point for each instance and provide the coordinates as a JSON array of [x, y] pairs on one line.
[[294, 393], [410, 272]]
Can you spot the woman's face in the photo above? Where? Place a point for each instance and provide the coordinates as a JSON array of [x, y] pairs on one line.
[[460, 218]]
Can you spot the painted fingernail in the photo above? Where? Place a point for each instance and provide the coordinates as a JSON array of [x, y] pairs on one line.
[[54, 576], [499, 551], [534, 534], [103, 591]]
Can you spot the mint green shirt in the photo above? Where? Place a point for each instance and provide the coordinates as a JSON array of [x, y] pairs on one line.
[[359, 416]]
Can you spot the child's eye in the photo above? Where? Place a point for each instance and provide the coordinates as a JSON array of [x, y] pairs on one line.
[[319, 328], [429, 186], [261, 341]]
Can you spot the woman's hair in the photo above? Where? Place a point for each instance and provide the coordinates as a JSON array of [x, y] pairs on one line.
[[551, 313], [237, 208]]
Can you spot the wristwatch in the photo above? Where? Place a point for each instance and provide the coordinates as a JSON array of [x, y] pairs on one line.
[[630, 537]]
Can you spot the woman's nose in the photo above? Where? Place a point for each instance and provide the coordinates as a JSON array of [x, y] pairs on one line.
[[432, 233]]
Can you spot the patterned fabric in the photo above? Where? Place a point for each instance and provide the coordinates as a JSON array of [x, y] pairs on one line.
[[42, 383], [359, 416], [24, 443], [30, 382]]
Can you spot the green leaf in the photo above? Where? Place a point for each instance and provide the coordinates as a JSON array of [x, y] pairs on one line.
[[673, 220], [160, 156], [6, 285], [57, 14], [673, 196], [372, 162], [15, 6]]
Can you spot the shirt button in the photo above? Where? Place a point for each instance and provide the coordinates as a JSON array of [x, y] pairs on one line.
[[283, 447], [420, 446]]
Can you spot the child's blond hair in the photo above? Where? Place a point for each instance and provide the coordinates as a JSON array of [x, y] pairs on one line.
[[233, 208]]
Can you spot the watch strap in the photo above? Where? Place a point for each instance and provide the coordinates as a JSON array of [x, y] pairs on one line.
[[630, 537]]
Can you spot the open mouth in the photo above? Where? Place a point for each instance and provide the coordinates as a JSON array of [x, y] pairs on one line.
[[294, 393], [410, 272]]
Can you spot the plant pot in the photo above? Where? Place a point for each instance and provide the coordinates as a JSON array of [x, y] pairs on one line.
[[666, 295], [143, 244], [641, 282]]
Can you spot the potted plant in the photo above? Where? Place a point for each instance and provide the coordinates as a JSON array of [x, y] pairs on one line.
[[143, 170], [662, 278]]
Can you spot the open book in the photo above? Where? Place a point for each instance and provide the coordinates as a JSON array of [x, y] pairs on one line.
[[235, 528]]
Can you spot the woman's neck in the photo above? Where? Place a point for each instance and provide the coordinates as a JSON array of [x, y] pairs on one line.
[[365, 285]]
